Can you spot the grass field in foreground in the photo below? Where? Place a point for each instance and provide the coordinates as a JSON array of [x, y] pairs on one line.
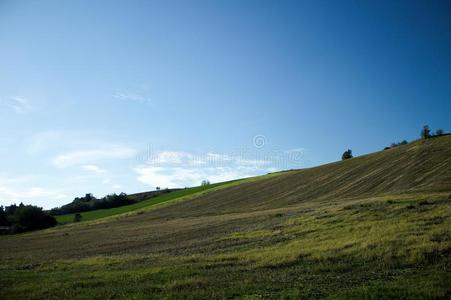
[[373, 227], [387, 247]]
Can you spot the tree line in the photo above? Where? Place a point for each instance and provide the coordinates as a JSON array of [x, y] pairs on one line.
[[89, 202], [426, 132], [21, 218], [394, 145]]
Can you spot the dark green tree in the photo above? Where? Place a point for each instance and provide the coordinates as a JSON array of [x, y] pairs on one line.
[[29, 217], [347, 154], [77, 217], [426, 132], [3, 219]]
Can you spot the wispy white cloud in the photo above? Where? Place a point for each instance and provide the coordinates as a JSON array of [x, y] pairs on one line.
[[19, 190], [166, 177], [219, 157], [180, 157], [135, 97], [170, 157], [165, 158], [94, 169], [44, 140], [179, 169], [90, 156], [295, 150], [185, 176], [19, 104], [26, 193], [252, 162]]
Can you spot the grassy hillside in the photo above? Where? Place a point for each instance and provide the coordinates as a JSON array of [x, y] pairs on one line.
[[376, 226], [154, 200]]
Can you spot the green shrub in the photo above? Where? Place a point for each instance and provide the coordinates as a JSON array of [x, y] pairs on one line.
[[426, 132], [77, 217], [347, 154], [29, 217]]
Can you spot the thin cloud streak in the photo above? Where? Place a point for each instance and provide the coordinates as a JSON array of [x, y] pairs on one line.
[[135, 97], [19, 104], [183, 177], [89, 156], [94, 169], [181, 169]]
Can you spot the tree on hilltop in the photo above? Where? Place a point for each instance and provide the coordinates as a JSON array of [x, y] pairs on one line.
[[426, 132], [347, 154]]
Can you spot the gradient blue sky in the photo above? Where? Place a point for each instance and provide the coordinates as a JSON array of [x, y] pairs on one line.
[[110, 96]]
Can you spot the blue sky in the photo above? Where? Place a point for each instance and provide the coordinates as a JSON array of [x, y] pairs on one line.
[[111, 96]]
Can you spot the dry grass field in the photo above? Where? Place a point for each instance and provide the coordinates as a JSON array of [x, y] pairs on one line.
[[375, 226]]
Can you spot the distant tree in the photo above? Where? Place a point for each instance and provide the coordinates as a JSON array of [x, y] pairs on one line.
[[3, 217], [439, 132], [88, 197], [11, 210], [426, 132], [29, 217], [347, 154], [89, 202], [158, 188], [205, 182], [112, 200], [393, 145], [77, 217]]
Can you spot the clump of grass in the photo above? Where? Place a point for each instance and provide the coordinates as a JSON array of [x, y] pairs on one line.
[[432, 286], [250, 234]]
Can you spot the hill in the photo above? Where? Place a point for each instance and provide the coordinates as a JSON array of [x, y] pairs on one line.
[[142, 200], [146, 201], [369, 227]]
